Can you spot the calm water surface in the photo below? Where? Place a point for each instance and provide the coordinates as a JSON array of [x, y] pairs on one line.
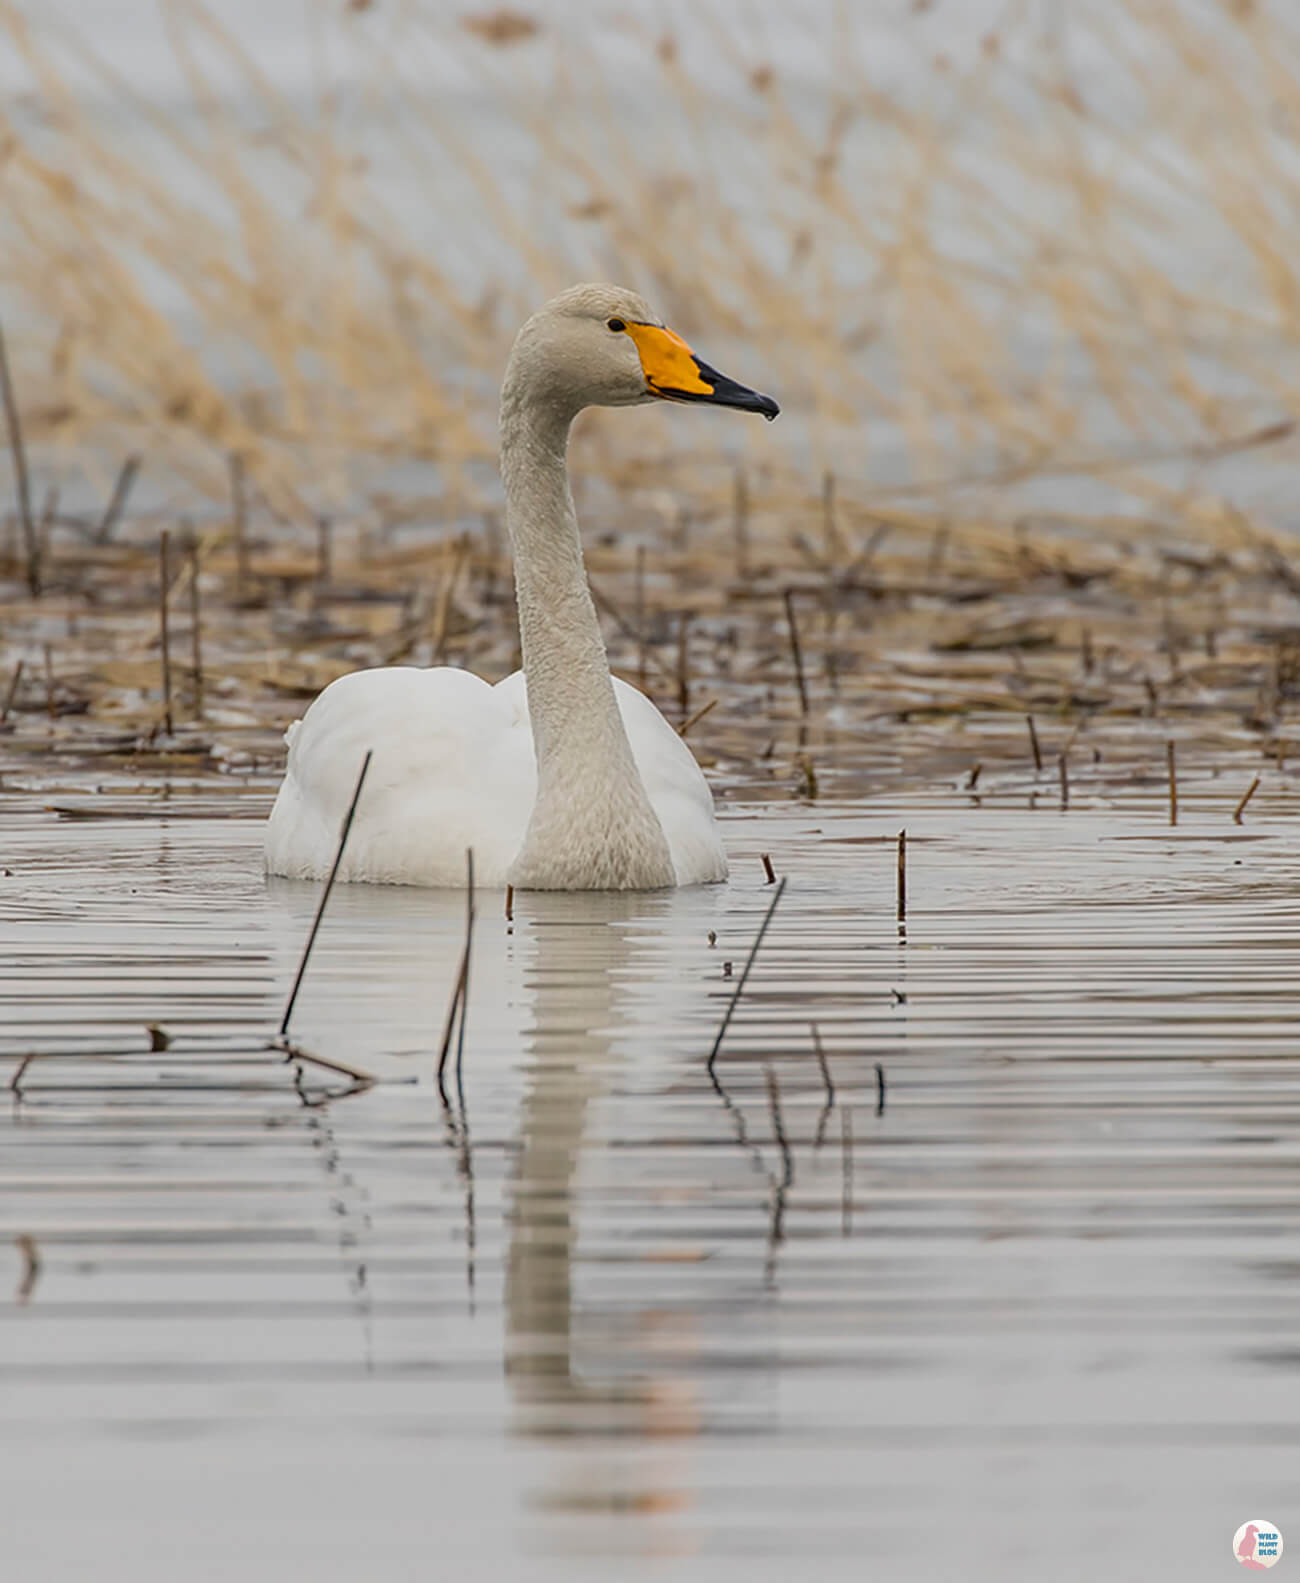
[[1034, 1317]]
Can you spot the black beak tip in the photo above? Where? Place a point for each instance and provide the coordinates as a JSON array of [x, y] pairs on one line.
[[728, 393]]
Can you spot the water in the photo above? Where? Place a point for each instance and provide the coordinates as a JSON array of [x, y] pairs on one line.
[[1029, 1313]]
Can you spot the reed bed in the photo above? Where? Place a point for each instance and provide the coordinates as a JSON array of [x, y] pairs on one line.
[[1028, 297]]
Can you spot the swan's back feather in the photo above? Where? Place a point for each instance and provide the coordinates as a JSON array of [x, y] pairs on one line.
[[453, 768]]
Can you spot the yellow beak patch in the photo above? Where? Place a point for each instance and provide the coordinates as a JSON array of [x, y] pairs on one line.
[[668, 363]]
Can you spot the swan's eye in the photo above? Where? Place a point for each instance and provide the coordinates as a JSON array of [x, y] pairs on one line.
[[615, 324]]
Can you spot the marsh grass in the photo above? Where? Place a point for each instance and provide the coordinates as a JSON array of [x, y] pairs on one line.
[[1031, 254], [1028, 298]]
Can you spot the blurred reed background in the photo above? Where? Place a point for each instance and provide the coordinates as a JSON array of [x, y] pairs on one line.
[[1044, 242], [1021, 275]]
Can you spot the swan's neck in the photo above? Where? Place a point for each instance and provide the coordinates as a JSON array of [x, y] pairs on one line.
[[592, 827]]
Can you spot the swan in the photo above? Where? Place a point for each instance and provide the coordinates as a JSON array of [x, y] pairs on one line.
[[560, 777]]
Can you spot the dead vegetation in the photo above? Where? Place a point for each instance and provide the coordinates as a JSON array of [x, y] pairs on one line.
[[1031, 310]]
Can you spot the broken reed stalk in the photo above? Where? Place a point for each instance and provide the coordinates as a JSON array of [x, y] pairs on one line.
[[22, 481], [696, 717], [744, 975], [1236, 812], [795, 651], [164, 633], [460, 991], [196, 632], [880, 1089], [17, 676], [1034, 745], [510, 903], [1172, 761], [769, 872], [1063, 769], [902, 877], [239, 519], [117, 500], [344, 832], [295, 1052]]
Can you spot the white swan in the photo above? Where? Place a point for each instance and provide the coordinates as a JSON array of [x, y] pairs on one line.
[[559, 777]]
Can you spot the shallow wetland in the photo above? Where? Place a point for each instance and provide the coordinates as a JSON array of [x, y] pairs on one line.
[[612, 1315]]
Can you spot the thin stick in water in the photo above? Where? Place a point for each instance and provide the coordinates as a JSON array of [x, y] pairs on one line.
[[344, 832], [1063, 769], [22, 481], [1034, 745], [296, 1052], [17, 676], [510, 903], [449, 1028], [744, 973], [696, 717], [164, 634], [807, 777], [880, 1089], [902, 876], [1172, 761], [196, 632], [459, 991], [1236, 812], [768, 871], [51, 706], [795, 651]]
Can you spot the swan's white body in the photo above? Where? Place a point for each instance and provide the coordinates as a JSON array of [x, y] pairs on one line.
[[454, 768], [559, 777]]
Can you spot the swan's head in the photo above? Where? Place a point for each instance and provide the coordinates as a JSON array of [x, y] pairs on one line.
[[603, 346]]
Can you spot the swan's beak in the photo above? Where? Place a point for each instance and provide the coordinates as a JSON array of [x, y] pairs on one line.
[[674, 372]]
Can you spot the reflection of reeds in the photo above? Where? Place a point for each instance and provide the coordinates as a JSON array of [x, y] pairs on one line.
[[1020, 266]]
